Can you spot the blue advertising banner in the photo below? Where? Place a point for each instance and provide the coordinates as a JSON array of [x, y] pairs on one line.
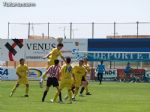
[[124, 45], [95, 56], [119, 49]]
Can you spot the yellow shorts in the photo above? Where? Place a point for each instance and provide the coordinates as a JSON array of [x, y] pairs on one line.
[[22, 81], [67, 84], [49, 63]]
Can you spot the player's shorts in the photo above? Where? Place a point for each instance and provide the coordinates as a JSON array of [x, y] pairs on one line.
[[67, 84], [52, 81], [83, 79], [22, 81]]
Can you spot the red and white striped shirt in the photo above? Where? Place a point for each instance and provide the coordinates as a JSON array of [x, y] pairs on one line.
[[53, 71]]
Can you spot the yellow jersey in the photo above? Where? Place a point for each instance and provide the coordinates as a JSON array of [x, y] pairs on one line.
[[54, 53], [22, 73], [87, 67], [66, 72], [22, 70], [79, 72]]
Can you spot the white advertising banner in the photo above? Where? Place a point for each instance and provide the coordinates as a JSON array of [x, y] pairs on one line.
[[1, 53], [11, 49], [10, 73], [7, 73], [110, 74], [34, 50]]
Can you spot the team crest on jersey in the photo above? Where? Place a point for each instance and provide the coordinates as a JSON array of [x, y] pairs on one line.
[[68, 69]]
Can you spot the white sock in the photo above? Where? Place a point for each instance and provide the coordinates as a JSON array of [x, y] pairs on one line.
[[41, 80]]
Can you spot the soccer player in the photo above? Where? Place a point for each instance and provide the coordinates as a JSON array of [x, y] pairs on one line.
[[127, 71], [52, 74], [53, 55], [78, 72], [66, 79], [22, 73], [84, 79], [100, 70]]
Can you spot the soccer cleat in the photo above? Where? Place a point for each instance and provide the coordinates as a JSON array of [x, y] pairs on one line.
[[26, 95], [11, 94], [81, 95], [73, 99], [61, 102], [88, 93], [42, 99], [41, 84]]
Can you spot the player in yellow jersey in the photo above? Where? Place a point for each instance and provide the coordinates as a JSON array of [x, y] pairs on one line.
[[84, 79], [66, 79], [78, 72], [22, 73], [52, 55]]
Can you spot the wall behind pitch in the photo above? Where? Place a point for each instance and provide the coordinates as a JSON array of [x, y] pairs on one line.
[[10, 73], [137, 49], [11, 49], [34, 50]]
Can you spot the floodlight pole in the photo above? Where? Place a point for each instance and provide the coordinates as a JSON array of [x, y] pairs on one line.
[[92, 30]]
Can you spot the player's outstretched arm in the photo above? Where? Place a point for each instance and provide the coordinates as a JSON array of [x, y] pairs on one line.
[[63, 59], [46, 56]]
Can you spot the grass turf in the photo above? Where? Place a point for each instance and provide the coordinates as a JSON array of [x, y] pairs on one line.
[[108, 97]]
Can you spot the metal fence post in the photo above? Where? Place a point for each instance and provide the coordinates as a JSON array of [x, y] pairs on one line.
[[48, 29], [92, 30], [137, 33], [28, 30], [70, 30], [114, 29]]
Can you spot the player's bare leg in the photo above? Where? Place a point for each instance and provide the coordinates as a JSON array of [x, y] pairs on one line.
[[14, 89]]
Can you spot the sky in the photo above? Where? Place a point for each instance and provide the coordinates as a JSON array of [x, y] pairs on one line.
[[75, 11]]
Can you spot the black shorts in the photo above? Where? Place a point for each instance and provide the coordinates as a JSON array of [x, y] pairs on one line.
[[83, 79], [52, 81]]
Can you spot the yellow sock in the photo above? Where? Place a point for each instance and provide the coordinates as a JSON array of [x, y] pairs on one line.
[[56, 95], [70, 95], [27, 90], [44, 75], [86, 89], [14, 89]]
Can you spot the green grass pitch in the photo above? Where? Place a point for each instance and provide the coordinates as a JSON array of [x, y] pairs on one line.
[[108, 97]]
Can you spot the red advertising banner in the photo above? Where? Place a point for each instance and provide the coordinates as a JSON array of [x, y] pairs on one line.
[[136, 72]]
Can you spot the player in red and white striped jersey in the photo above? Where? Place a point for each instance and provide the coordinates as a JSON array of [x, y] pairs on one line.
[[52, 78]]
